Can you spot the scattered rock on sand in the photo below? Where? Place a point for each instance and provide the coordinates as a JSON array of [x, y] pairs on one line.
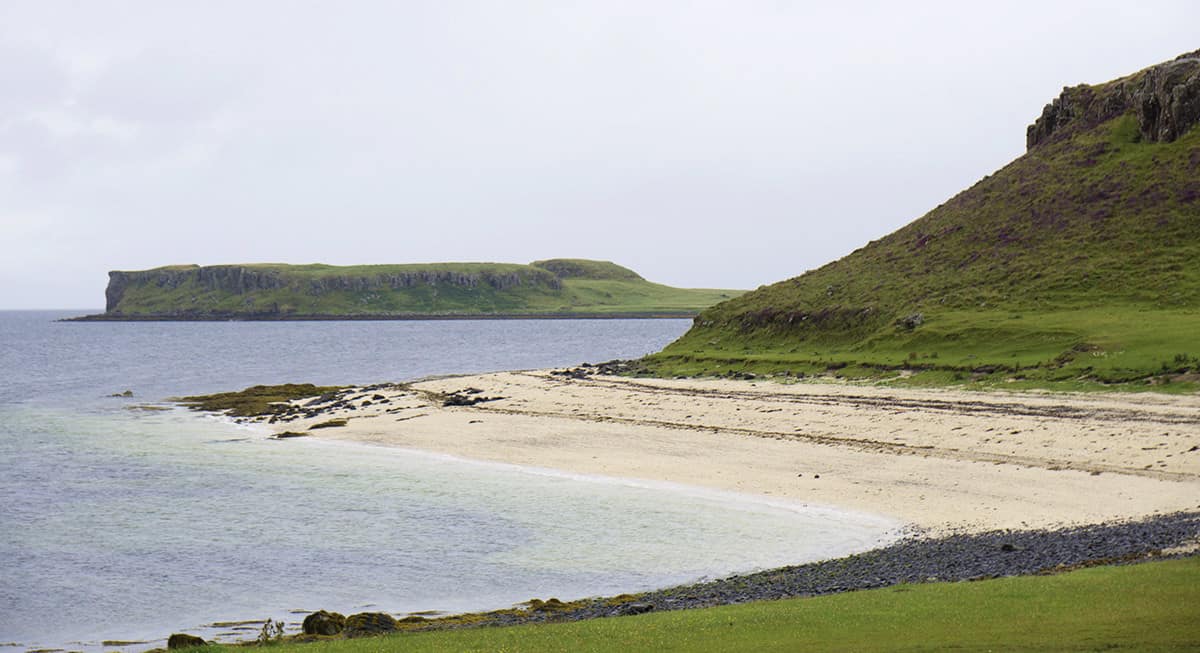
[[341, 421], [468, 397]]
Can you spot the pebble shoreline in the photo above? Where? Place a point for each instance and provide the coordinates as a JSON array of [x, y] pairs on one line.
[[913, 560]]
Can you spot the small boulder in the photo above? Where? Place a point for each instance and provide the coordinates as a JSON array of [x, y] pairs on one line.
[[183, 640], [634, 608], [365, 624], [324, 623]]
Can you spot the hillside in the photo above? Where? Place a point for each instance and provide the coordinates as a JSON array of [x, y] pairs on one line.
[[556, 287], [1078, 262]]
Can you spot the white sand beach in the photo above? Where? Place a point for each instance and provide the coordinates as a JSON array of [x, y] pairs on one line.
[[941, 460]]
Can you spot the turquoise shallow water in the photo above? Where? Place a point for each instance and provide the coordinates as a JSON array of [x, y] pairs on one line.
[[119, 523]]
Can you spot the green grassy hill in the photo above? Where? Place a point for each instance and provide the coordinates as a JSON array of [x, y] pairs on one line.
[[1078, 262], [278, 291]]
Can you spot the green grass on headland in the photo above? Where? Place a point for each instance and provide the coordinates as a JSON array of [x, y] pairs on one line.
[[1145, 607], [1112, 348], [1075, 266], [276, 291]]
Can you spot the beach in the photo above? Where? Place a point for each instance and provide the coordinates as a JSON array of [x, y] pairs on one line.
[[940, 461]]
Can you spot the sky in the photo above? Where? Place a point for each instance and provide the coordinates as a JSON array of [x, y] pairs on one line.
[[703, 144]]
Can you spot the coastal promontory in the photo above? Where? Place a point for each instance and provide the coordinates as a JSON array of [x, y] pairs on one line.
[[270, 291], [1074, 265]]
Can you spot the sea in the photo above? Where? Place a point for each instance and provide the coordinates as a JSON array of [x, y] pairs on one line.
[[126, 518]]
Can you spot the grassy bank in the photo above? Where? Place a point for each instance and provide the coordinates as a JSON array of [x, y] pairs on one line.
[[1146, 607], [1088, 348]]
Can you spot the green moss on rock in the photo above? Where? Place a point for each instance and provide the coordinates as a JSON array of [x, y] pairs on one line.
[[256, 400]]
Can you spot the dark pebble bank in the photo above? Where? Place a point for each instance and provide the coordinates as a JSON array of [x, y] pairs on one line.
[[912, 560]]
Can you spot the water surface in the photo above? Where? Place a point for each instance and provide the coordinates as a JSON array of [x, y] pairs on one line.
[[123, 521]]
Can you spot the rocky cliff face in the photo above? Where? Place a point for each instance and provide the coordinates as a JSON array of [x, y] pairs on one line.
[[1165, 98], [240, 280]]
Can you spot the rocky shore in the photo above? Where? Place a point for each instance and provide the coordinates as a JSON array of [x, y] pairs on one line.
[[991, 484], [917, 559]]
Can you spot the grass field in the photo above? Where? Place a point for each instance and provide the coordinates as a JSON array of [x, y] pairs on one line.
[[1089, 348], [1145, 607]]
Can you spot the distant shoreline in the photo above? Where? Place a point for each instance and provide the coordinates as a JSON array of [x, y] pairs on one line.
[[409, 317]]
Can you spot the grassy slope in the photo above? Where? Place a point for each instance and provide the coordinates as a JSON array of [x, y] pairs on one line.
[[1146, 607], [587, 287], [1075, 263]]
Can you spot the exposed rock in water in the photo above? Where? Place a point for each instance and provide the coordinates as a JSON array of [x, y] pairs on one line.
[[365, 624], [1165, 98], [183, 640], [324, 623]]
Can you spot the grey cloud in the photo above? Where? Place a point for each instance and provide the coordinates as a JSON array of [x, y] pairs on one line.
[[157, 87], [30, 79], [704, 143]]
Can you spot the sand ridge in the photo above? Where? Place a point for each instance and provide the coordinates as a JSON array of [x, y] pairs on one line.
[[942, 460]]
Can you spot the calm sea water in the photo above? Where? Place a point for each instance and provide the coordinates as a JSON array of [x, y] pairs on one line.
[[123, 523]]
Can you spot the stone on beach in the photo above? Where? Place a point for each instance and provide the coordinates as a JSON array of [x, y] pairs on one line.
[[183, 640], [324, 623], [369, 623]]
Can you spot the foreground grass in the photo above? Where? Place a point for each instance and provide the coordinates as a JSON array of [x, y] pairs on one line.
[[1146, 607]]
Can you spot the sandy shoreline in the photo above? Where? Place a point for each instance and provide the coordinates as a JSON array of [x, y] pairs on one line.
[[942, 460]]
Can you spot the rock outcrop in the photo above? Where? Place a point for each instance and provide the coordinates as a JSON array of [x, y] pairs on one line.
[[1165, 98], [453, 290], [183, 640], [324, 623], [243, 279], [365, 624]]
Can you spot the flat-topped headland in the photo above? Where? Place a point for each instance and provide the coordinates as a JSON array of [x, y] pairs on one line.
[[555, 288]]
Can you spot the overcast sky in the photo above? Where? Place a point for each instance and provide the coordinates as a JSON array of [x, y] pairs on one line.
[[703, 144]]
